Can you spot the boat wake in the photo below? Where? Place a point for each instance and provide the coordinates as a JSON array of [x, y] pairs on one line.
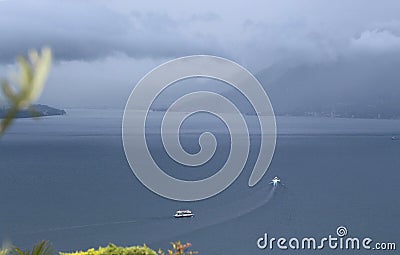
[[167, 226], [227, 211], [101, 224]]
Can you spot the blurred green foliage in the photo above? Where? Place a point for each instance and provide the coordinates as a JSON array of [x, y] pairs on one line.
[[179, 248], [27, 84], [45, 248], [112, 249], [41, 248], [3, 251]]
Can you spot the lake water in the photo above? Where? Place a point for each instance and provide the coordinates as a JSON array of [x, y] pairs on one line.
[[66, 179]]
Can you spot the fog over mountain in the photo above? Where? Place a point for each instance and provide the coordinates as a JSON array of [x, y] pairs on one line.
[[313, 57], [362, 86]]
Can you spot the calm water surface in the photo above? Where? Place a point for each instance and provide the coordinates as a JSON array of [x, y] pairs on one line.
[[66, 179]]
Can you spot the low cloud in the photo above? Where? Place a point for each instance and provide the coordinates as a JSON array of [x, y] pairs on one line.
[[376, 41], [104, 47], [81, 30]]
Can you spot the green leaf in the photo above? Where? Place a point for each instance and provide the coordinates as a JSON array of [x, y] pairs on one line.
[[8, 92], [42, 70], [41, 248], [29, 85]]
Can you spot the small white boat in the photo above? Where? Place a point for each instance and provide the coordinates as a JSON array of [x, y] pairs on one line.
[[183, 214], [395, 138], [275, 181]]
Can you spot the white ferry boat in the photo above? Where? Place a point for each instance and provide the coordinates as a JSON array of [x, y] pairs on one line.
[[183, 214]]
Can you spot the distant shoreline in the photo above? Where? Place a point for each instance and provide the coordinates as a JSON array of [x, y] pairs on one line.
[[45, 110], [39, 110], [333, 115]]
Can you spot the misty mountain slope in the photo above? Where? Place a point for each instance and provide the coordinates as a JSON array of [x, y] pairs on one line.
[[353, 86], [358, 86]]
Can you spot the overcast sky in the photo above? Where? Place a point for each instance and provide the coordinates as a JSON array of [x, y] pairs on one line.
[[102, 48]]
